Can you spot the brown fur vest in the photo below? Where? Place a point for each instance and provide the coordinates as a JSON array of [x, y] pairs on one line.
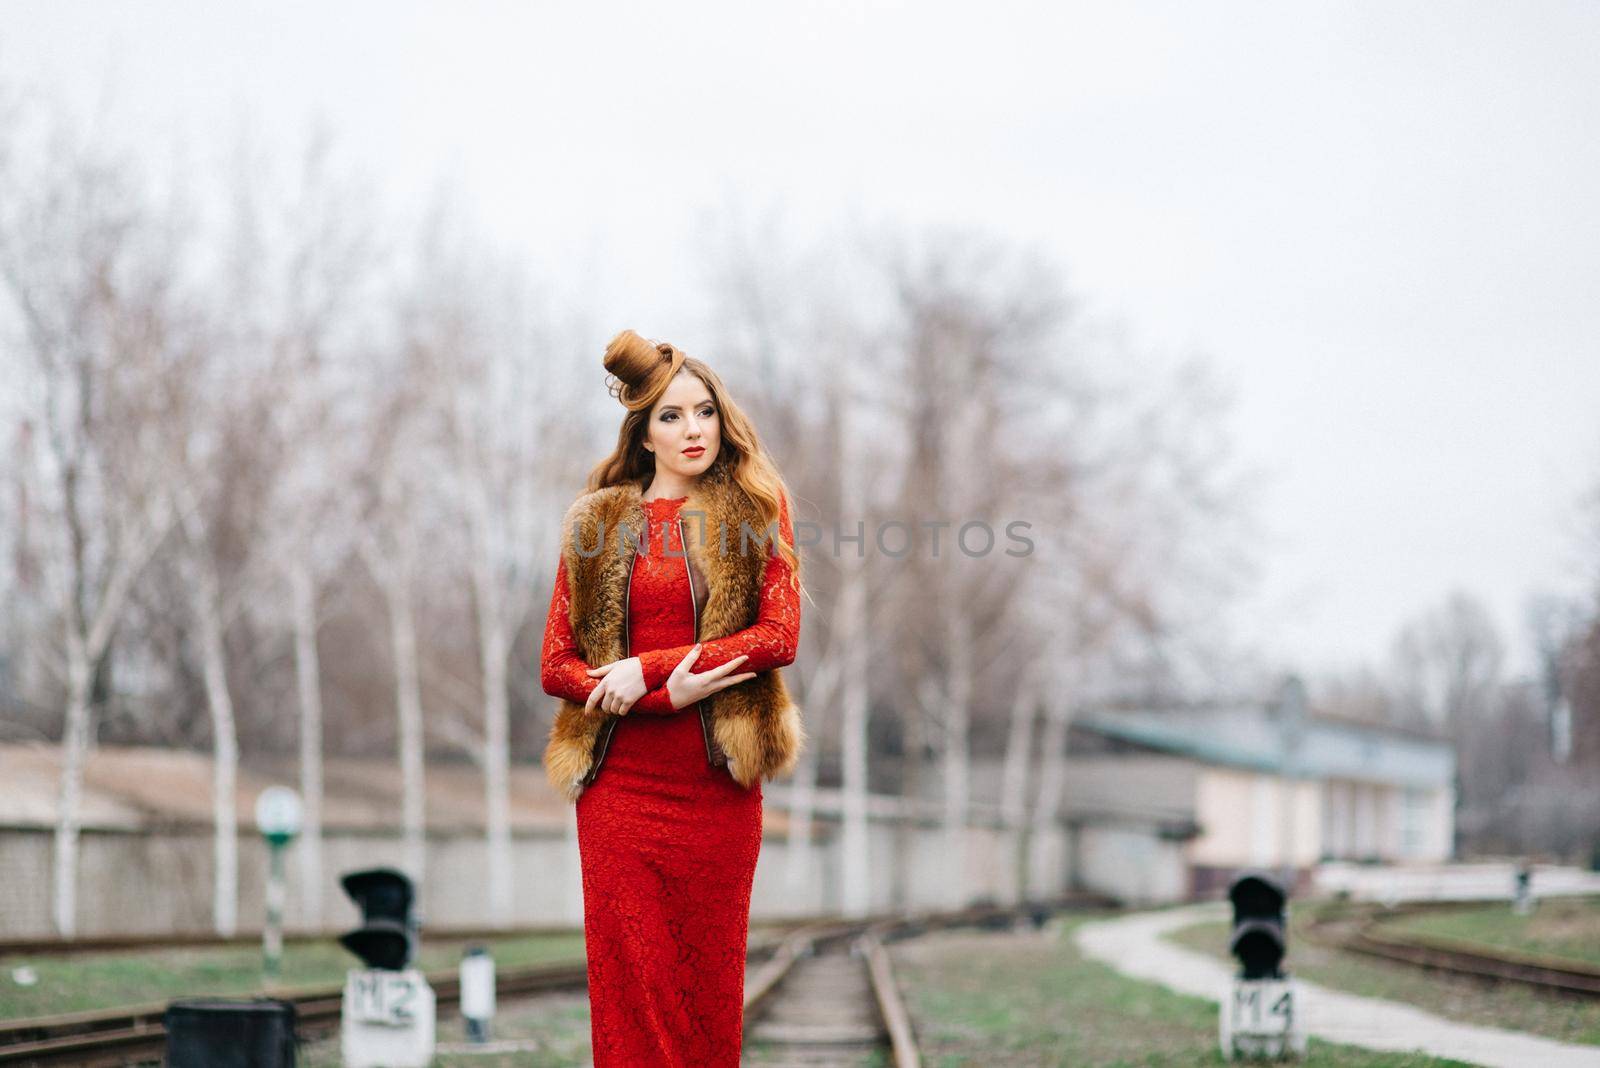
[[754, 724]]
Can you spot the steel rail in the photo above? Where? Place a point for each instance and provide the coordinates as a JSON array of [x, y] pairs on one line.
[[1362, 931], [122, 1036]]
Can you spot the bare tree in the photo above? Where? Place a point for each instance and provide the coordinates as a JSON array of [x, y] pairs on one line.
[[1447, 662], [212, 469], [799, 318], [1139, 514], [412, 505], [210, 618], [854, 634], [91, 275], [389, 546], [978, 403], [234, 409], [1582, 684], [978, 324], [324, 264], [1555, 625], [1094, 602], [293, 420], [1360, 694], [1447, 671], [471, 320]]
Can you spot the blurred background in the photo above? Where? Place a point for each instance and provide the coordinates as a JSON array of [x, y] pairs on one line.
[[1274, 325]]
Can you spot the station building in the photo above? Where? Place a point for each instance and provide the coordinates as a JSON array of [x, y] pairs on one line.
[[1168, 805]]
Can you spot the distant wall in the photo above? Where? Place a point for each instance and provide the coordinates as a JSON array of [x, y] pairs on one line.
[[159, 881], [1131, 863]]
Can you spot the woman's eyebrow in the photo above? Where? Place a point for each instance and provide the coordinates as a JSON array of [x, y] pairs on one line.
[[675, 407]]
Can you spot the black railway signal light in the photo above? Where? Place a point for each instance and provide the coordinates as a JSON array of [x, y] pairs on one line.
[[1260, 935], [387, 936]]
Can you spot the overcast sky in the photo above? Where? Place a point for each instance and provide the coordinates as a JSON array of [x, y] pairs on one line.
[[1380, 220]]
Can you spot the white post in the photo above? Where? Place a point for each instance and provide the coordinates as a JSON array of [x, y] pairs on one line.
[[477, 993], [278, 819]]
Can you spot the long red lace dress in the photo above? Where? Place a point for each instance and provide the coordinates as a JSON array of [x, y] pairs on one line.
[[668, 842]]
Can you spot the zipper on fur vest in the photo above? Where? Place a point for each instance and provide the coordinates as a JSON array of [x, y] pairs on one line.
[[694, 608], [603, 742]]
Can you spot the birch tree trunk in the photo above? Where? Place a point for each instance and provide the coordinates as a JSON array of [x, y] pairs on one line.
[[1014, 778], [494, 645], [308, 686], [85, 645], [490, 546], [853, 713], [957, 757], [205, 602], [74, 754], [1044, 860], [408, 712], [819, 693], [854, 633], [963, 489], [909, 829], [802, 807], [1019, 752], [395, 569], [225, 754], [491, 394]]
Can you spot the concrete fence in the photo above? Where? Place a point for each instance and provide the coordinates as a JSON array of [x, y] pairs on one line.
[[153, 881]]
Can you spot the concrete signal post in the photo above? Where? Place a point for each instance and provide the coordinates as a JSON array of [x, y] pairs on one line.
[[1258, 1016], [278, 819], [388, 1017]]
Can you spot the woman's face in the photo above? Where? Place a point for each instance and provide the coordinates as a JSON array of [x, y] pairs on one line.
[[683, 420]]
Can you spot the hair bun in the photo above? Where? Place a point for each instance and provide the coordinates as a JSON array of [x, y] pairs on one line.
[[637, 364]]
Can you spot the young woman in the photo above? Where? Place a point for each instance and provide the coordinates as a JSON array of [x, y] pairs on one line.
[[676, 602]]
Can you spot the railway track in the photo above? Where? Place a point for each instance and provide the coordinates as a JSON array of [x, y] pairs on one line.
[[785, 969], [1361, 930], [823, 1013], [829, 997], [137, 1035]]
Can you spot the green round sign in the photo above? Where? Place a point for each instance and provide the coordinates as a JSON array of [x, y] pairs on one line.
[[278, 814]]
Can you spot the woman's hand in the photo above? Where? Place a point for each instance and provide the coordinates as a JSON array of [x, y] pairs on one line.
[[686, 687], [621, 684]]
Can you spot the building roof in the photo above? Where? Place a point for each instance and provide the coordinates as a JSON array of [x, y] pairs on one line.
[[1251, 737]]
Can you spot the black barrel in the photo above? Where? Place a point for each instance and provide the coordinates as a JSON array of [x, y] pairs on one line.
[[218, 1033]]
